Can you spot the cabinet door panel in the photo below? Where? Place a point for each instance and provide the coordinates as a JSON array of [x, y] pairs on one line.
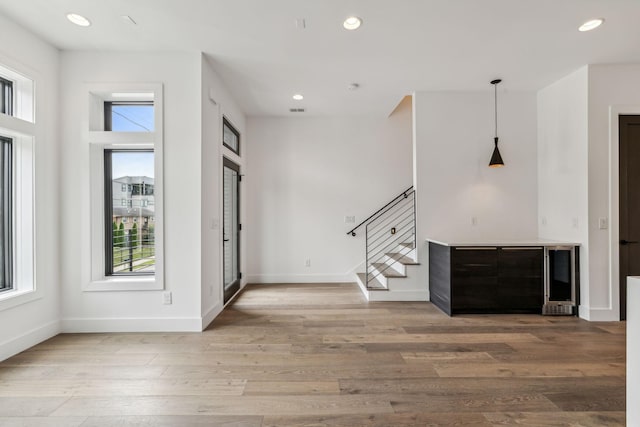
[[521, 279], [474, 279]]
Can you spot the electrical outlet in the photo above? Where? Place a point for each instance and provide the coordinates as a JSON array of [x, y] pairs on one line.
[[307, 262], [574, 222], [474, 220], [543, 220], [166, 298]]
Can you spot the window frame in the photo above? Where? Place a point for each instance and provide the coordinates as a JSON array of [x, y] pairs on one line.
[[6, 96], [20, 127], [6, 215], [108, 113], [227, 124], [99, 140], [108, 213]]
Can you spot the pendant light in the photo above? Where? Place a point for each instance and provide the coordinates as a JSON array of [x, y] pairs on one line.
[[496, 158]]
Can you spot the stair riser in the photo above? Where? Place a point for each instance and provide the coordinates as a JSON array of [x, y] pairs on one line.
[[379, 277], [409, 253], [395, 265]]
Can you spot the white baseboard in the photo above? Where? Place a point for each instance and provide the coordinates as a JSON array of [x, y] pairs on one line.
[[598, 314], [299, 278], [364, 290], [28, 339], [399, 296], [211, 314], [161, 324]]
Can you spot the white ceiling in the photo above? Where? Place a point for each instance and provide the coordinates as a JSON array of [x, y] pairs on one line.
[[402, 46]]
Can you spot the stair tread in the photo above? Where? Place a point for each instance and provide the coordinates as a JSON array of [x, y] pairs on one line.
[[401, 258], [407, 245], [389, 272], [373, 285]]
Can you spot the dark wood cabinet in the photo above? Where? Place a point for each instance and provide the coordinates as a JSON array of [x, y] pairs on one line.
[[486, 279]]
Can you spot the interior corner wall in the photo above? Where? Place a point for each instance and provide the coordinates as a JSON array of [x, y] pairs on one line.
[[305, 176], [563, 165], [454, 142], [27, 324], [217, 102], [612, 88], [83, 311]]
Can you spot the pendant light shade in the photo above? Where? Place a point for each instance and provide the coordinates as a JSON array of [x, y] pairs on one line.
[[496, 158]]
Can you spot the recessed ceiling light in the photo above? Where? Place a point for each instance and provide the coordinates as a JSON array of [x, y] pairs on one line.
[[352, 23], [78, 19], [298, 97], [591, 24]]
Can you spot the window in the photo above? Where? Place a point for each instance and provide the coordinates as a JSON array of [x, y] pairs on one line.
[[17, 186], [230, 136], [129, 116], [128, 250], [125, 135], [6, 96], [6, 213]]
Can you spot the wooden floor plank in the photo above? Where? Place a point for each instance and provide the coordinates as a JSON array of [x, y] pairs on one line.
[[174, 421], [321, 355], [43, 421], [420, 419], [558, 419], [223, 405]]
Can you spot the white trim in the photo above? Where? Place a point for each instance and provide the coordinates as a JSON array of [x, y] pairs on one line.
[[132, 324], [598, 314], [17, 126], [124, 283], [24, 228], [211, 314], [399, 296], [28, 339], [299, 278], [99, 140], [145, 139], [614, 210], [23, 93]]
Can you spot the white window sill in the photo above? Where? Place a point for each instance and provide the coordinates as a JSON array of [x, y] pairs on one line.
[[10, 299], [124, 284]]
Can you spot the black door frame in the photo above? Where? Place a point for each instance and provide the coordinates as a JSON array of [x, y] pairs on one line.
[[235, 286]]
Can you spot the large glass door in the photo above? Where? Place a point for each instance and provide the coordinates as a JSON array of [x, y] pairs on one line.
[[231, 227]]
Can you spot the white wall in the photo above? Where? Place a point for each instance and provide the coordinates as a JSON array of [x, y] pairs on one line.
[[29, 323], [613, 90], [305, 175], [563, 166], [180, 73], [453, 145], [454, 142], [217, 102]]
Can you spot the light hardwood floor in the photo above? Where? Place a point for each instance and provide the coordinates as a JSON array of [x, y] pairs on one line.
[[320, 355]]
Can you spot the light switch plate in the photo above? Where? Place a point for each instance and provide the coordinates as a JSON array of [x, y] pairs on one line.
[[603, 223]]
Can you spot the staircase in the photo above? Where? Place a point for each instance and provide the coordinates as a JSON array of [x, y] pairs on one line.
[[390, 239]]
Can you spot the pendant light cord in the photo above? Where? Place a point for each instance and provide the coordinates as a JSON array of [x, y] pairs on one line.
[[495, 103]]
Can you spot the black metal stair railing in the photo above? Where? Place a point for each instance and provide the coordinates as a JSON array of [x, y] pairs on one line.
[[391, 229]]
